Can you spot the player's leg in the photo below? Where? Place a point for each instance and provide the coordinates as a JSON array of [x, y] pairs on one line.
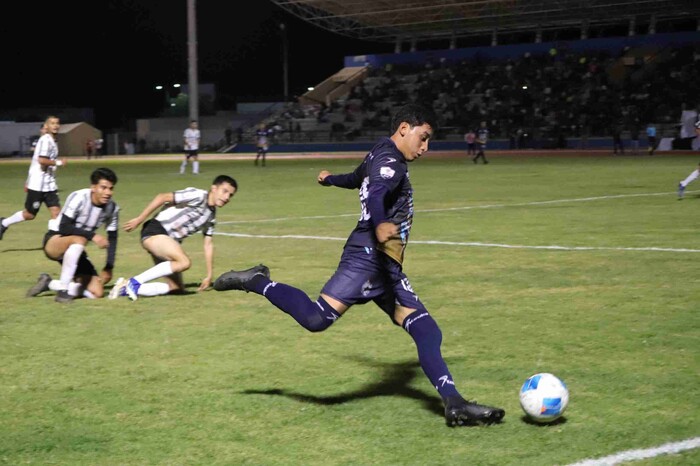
[[195, 163], [183, 164], [68, 250], [345, 288], [32, 203], [409, 313], [315, 316], [171, 259], [689, 179]]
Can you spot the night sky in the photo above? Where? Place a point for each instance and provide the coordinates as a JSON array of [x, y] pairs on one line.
[[109, 55]]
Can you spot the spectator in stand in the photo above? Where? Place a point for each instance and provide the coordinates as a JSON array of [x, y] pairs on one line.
[[89, 148], [98, 147], [470, 139], [634, 137], [618, 146], [482, 136], [651, 138]]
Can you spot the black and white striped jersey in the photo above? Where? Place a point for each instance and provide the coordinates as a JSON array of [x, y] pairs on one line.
[[189, 214], [86, 215], [41, 178]]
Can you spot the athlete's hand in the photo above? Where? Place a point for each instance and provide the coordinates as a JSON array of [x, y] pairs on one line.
[[385, 231], [106, 276], [322, 177], [132, 224], [206, 283], [100, 241]]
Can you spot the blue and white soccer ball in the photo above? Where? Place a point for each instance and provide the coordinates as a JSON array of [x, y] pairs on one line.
[[544, 397]]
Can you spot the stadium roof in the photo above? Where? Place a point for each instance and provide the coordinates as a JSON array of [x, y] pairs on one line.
[[392, 21]]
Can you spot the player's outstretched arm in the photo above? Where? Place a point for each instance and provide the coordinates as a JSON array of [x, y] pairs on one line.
[[209, 259], [156, 203]]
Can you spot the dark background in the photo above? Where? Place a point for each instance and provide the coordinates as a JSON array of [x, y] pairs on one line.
[[109, 55]]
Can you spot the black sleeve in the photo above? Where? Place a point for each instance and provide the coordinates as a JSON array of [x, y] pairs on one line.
[[348, 180], [111, 250], [375, 203], [68, 228]]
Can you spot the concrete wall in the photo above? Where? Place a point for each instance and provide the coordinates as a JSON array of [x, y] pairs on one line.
[[15, 138]]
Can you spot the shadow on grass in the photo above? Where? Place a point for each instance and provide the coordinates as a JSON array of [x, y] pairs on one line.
[[394, 380], [526, 419], [23, 250]]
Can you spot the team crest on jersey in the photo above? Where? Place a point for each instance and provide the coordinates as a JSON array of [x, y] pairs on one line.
[[386, 172]]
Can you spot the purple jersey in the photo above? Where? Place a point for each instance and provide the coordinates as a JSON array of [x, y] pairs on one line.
[[383, 166]]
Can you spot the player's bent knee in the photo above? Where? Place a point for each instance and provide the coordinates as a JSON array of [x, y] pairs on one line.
[[323, 318]]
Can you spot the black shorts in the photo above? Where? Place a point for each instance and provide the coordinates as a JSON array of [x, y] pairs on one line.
[[34, 199], [365, 275], [152, 227], [191, 153], [85, 266]]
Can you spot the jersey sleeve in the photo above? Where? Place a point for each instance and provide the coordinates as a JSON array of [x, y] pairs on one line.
[[113, 222], [387, 170], [189, 196]]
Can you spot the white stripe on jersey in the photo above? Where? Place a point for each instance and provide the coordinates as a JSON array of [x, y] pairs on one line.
[[189, 214], [88, 216], [43, 178]]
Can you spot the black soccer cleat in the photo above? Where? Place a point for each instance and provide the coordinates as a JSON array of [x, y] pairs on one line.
[[460, 412], [41, 285], [3, 229], [233, 280], [63, 297]]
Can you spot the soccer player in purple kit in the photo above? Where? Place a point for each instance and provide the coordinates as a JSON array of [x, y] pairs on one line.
[[370, 268]]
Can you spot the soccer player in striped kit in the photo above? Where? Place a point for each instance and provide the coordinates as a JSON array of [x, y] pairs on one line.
[[41, 183], [191, 138], [184, 213], [85, 211]]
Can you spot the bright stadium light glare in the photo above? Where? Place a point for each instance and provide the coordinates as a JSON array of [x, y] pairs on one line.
[[176, 85], [310, 88], [524, 87], [159, 87]]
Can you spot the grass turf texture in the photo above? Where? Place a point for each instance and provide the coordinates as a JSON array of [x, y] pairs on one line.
[[226, 378]]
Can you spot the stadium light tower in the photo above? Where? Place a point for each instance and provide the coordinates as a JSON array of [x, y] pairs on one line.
[[285, 62], [192, 59]]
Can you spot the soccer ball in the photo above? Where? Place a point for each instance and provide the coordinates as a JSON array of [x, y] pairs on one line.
[[544, 397]]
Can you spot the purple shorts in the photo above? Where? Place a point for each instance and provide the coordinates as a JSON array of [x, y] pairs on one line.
[[365, 275]]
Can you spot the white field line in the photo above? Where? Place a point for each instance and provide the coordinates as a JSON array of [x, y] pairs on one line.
[[635, 455], [447, 209], [472, 244]]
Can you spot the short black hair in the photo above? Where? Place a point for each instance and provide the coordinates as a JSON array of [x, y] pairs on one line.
[[414, 115], [225, 179], [103, 174]]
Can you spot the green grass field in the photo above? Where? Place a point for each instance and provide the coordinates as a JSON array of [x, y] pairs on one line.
[[586, 267]]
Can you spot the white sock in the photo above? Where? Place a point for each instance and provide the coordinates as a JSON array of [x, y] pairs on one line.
[[154, 289], [159, 270], [70, 263], [56, 285], [183, 165], [195, 167], [14, 218], [690, 178], [74, 289], [88, 294]]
